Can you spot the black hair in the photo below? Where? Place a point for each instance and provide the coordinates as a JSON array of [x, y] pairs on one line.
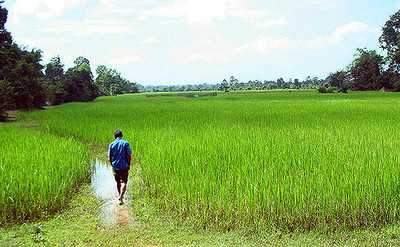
[[117, 133]]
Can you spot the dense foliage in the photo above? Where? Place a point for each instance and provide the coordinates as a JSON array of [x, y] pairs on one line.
[[21, 77], [20, 73], [110, 82], [79, 85], [236, 85], [4, 35], [366, 70], [54, 76], [390, 41]]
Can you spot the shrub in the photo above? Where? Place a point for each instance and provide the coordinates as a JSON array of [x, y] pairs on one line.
[[322, 89]]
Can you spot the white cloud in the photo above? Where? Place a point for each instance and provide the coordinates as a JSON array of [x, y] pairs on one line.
[[126, 60], [223, 52], [218, 51], [38, 43], [191, 10], [112, 10], [282, 21], [326, 4], [247, 15], [269, 45], [42, 9], [121, 55], [198, 11], [90, 27], [350, 27], [108, 3], [205, 10], [152, 40], [118, 7]]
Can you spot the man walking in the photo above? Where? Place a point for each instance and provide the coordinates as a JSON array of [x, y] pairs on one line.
[[120, 152]]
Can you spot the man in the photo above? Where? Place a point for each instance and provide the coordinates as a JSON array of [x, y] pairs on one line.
[[120, 152]]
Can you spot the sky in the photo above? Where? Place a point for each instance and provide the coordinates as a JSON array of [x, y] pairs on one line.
[[179, 42]]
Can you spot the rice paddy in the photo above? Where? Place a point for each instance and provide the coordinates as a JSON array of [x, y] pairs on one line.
[[276, 159], [39, 173]]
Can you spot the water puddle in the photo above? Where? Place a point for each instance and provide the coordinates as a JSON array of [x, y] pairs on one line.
[[105, 188]]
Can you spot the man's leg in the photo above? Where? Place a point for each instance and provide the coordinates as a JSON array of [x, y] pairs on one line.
[[124, 181], [117, 178], [119, 187], [122, 192]]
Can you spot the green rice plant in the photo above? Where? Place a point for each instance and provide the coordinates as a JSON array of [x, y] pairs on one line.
[[39, 173], [255, 159]]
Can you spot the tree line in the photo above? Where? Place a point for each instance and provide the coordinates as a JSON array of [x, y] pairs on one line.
[[235, 85], [77, 83], [369, 70], [27, 84]]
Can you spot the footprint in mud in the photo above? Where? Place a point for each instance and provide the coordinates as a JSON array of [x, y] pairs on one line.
[[104, 187]]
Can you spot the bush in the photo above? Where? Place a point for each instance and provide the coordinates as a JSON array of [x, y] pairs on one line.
[[343, 89], [322, 89], [3, 113]]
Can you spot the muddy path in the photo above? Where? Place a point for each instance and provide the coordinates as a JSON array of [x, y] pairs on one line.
[[104, 187]]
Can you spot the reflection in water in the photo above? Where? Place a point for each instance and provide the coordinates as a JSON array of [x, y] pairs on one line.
[[105, 188]]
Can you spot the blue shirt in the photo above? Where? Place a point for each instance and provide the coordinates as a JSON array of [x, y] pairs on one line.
[[118, 150]]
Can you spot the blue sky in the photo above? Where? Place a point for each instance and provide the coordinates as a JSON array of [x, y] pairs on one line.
[[177, 42]]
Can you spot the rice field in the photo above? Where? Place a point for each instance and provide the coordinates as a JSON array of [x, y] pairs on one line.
[[38, 173], [276, 159]]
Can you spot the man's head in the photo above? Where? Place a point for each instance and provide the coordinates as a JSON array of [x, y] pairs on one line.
[[117, 133]]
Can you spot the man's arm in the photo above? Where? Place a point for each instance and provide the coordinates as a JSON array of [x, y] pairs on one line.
[[129, 158], [110, 154]]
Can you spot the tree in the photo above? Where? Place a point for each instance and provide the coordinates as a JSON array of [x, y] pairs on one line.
[[79, 84], [107, 77], [54, 69], [390, 41], [366, 70], [224, 86], [391, 80], [4, 99], [55, 77], [280, 83], [114, 89], [81, 61], [297, 83], [20, 73], [232, 82], [21, 76], [339, 79], [4, 35]]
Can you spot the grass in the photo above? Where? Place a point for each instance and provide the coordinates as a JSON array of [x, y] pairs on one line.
[[38, 173], [255, 160], [80, 225]]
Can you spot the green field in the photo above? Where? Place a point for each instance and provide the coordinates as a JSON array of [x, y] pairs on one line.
[[38, 173], [276, 159]]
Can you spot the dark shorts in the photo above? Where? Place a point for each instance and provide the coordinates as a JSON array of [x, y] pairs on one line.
[[121, 175]]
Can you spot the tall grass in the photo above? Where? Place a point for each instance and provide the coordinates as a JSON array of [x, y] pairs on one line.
[[38, 173], [275, 159]]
